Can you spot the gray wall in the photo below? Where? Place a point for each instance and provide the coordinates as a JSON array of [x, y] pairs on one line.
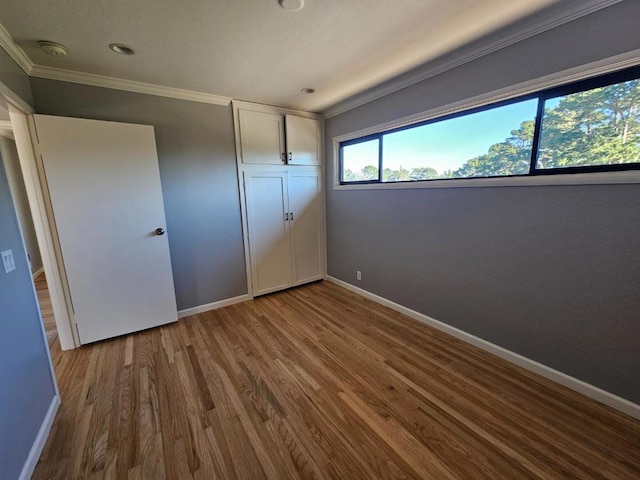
[[19, 193], [26, 385], [14, 77], [549, 272], [196, 154]]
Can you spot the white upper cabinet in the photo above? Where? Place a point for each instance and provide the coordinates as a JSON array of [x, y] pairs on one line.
[[270, 136], [261, 137], [302, 140]]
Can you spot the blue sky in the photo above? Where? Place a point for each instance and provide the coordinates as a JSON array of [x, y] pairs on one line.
[[443, 145]]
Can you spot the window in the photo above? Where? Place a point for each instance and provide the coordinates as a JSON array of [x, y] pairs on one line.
[[600, 126], [360, 161], [589, 126]]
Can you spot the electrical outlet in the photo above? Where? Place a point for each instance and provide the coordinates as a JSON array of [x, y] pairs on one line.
[[358, 275], [7, 261]]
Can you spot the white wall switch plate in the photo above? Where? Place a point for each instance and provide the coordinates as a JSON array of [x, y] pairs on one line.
[[7, 261]]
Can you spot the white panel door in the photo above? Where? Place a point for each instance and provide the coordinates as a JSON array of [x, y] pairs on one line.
[[302, 140], [305, 206], [267, 215], [261, 137], [105, 191]]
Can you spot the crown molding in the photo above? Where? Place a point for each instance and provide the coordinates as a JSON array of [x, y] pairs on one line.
[[550, 18], [94, 80], [14, 51], [52, 73]]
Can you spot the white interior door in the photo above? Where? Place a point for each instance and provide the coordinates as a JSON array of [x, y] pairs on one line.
[[305, 205], [261, 137], [104, 186], [267, 218], [303, 135]]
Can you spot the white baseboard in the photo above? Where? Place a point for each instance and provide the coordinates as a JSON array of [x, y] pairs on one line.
[[41, 439], [212, 306], [38, 272], [568, 381]]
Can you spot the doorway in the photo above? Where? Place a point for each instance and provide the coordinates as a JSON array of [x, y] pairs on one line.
[[11, 162]]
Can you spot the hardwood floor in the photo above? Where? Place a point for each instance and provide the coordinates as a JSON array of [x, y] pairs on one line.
[[44, 300], [317, 382]]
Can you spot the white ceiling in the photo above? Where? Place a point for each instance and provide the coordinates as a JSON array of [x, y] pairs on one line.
[[252, 49]]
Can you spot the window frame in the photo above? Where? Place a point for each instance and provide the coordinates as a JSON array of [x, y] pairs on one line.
[[616, 173]]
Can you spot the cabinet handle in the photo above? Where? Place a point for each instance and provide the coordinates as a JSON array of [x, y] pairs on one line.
[[284, 157], [291, 216], [286, 217], [290, 156]]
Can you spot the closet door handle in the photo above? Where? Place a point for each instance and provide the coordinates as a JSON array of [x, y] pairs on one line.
[[286, 217], [284, 157], [291, 216], [290, 156]]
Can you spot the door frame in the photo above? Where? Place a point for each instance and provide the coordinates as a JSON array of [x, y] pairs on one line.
[[25, 136]]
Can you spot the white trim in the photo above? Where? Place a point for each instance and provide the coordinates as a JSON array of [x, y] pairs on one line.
[[6, 130], [601, 67], [40, 440], [595, 178], [14, 51], [212, 306], [104, 81], [575, 384], [53, 73], [14, 100], [563, 77], [556, 16], [38, 272], [37, 193], [261, 107]]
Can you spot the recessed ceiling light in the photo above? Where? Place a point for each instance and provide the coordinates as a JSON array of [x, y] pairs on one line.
[[307, 90], [291, 5], [53, 49], [122, 49]]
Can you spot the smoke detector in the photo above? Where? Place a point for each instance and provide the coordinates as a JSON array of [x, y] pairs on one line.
[[53, 49]]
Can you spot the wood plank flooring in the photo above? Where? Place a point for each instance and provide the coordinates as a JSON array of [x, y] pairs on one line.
[[44, 300], [317, 382]]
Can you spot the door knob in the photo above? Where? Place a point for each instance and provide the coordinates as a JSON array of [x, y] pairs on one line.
[[159, 231]]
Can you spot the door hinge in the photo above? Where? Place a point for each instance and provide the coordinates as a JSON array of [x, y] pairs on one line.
[[78, 333]]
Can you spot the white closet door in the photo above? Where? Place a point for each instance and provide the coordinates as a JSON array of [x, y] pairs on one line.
[[105, 191], [302, 140], [305, 205], [269, 247], [261, 137]]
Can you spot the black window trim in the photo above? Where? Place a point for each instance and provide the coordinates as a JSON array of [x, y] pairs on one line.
[[626, 74]]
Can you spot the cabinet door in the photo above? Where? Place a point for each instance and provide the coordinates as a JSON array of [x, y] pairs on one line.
[[305, 205], [303, 136], [269, 247], [261, 137]]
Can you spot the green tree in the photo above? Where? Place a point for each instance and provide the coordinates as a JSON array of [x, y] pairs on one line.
[[511, 157], [597, 127], [423, 173], [370, 173], [400, 175]]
